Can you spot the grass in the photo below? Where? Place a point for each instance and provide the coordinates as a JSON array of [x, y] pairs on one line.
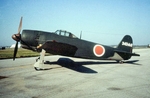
[[8, 53]]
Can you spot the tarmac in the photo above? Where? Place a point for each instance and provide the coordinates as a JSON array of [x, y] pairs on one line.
[[67, 77]]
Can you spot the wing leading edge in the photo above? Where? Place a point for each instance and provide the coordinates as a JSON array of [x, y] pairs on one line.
[[59, 48]]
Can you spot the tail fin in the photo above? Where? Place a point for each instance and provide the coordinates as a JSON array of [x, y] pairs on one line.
[[124, 48], [126, 44]]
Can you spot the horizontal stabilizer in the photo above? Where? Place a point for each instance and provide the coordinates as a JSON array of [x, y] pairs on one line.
[[125, 52]]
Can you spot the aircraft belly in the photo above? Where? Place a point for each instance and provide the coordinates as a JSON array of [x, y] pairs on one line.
[[29, 37], [116, 56]]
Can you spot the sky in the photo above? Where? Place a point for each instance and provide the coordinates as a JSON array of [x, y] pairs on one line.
[[101, 21]]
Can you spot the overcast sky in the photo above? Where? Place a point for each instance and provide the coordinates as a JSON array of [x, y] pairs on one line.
[[101, 21]]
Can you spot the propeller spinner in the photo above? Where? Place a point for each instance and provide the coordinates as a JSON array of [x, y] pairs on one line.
[[17, 38]]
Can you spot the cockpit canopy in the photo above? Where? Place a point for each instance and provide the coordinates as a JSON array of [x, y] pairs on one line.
[[65, 33]]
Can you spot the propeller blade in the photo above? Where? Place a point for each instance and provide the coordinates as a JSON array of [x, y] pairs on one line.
[[17, 38], [15, 50], [20, 26]]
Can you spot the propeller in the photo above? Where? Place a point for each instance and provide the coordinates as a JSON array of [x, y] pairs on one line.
[[17, 38]]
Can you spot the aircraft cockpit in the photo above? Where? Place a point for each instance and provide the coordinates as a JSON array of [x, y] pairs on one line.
[[65, 33]]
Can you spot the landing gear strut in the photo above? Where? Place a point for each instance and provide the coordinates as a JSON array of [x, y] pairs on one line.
[[39, 65]]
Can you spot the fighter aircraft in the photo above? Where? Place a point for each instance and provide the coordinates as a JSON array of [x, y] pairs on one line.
[[65, 43]]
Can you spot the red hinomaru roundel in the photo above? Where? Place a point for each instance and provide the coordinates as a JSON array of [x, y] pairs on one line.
[[99, 50]]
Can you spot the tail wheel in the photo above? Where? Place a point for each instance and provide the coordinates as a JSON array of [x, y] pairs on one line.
[[120, 61]]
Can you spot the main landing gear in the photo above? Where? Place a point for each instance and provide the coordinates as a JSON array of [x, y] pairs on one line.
[[39, 65]]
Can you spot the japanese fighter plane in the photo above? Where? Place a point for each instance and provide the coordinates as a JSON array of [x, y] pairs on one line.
[[67, 44]]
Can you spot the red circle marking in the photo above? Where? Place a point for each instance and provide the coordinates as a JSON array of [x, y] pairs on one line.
[[98, 50]]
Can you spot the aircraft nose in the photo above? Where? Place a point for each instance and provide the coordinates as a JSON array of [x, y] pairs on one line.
[[16, 37], [29, 37]]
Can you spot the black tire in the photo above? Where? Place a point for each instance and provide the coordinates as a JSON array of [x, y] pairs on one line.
[[37, 69]]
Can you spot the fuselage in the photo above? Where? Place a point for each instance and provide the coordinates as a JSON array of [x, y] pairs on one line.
[[82, 48]]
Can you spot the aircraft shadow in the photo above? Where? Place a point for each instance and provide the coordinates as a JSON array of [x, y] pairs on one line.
[[132, 62], [78, 65], [70, 64]]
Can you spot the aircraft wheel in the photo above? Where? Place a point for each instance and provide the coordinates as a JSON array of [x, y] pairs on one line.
[[121, 62], [37, 69]]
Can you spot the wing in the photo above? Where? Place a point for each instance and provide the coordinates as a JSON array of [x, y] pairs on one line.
[[59, 48]]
